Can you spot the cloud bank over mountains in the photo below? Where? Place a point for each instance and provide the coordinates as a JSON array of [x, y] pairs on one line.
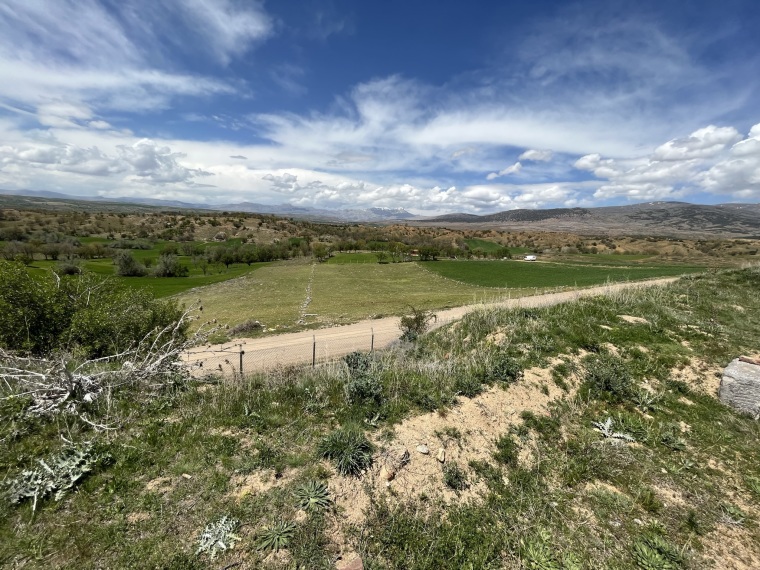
[[221, 101]]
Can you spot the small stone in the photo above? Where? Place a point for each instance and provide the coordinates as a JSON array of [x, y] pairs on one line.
[[441, 455], [423, 449], [186, 476], [639, 522], [387, 474], [355, 564]]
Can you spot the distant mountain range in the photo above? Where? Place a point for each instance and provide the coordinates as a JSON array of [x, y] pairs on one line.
[[673, 219], [665, 219], [287, 210]]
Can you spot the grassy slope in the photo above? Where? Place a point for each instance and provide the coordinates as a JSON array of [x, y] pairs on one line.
[[540, 274], [580, 502]]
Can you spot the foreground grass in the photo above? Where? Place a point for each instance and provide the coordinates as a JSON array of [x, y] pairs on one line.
[[569, 499]]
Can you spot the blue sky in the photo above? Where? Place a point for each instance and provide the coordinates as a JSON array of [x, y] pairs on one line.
[[436, 107]]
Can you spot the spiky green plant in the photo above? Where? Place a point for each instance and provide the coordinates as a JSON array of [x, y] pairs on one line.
[[653, 552], [537, 555], [313, 496], [276, 536], [349, 449], [732, 514], [55, 475]]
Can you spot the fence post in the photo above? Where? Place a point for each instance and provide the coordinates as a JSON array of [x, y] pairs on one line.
[[372, 341], [313, 351], [242, 352]]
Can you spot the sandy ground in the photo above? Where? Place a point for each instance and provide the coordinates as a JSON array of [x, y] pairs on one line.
[[327, 344]]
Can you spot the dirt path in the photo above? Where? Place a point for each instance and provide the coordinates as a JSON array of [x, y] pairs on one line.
[[330, 343]]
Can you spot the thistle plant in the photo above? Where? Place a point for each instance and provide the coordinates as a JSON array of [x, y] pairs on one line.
[[605, 428], [55, 475], [218, 537]]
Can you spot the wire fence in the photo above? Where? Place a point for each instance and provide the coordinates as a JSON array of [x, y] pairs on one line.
[[298, 349], [259, 355]]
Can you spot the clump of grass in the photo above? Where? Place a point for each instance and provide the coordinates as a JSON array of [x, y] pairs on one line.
[[608, 378], [653, 552], [503, 368], [349, 449], [455, 477], [507, 450]]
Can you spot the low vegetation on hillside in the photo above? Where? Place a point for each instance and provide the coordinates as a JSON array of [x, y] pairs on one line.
[[585, 435]]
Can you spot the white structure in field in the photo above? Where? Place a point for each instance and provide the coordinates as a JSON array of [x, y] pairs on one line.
[[530, 258]]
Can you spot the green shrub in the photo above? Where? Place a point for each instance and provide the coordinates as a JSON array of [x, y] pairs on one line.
[[507, 450], [503, 368], [455, 477], [365, 388], [608, 378], [169, 266], [358, 362], [415, 324], [79, 312], [128, 266]]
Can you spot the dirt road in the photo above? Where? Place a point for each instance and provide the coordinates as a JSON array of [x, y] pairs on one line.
[[330, 343]]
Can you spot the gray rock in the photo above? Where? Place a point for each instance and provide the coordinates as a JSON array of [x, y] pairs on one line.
[[740, 387], [423, 449]]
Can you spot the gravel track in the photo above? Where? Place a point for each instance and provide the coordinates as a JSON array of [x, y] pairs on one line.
[[298, 348]]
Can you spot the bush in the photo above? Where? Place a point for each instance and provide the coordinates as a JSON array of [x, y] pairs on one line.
[[127, 266], [169, 266], [454, 477], [358, 362], [363, 388], [248, 327], [68, 268], [42, 313], [415, 324], [608, 378]]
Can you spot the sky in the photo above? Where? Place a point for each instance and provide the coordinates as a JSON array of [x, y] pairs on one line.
[[432, 106]]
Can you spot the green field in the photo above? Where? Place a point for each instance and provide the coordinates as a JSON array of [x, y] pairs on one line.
[[160, 286], [520, 274], [346, 258], [340, 293]]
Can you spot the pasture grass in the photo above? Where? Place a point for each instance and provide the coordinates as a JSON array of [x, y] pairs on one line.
[[358, 257], [556, 494], [161, 286], [522, 274]]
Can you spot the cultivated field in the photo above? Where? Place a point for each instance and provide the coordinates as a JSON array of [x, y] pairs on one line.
[[522, 274], [348, 288]]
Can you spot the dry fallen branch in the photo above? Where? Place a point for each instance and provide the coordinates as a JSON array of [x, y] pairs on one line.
[[62, 385]]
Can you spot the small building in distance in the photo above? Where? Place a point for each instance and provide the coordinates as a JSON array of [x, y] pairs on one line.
[[530, 258]]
